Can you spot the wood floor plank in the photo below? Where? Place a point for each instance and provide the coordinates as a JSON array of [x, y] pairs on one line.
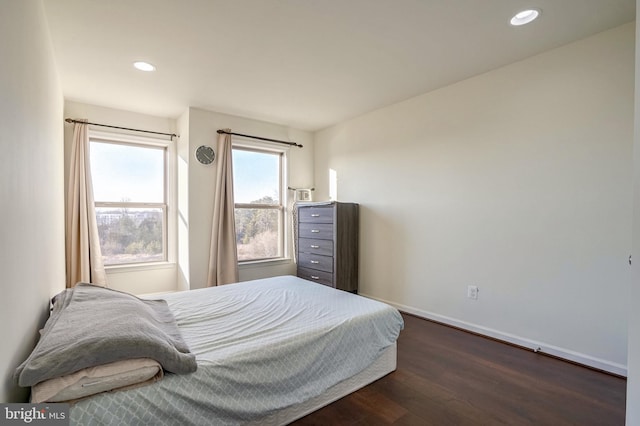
[[447, 376]]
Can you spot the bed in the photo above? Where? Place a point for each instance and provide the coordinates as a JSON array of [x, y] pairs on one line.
[[267, 351]]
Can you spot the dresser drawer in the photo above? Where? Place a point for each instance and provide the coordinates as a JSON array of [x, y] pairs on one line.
[[310, 245], [316, 214], [326, 244], [323, 231], [316, 261], [321, 277]]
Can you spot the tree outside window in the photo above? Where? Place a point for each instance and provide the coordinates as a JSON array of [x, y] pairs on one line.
[[130, 201], [259, 209]]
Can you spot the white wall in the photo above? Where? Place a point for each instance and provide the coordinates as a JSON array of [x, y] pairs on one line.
[[517, 181], [183, 202], [202, 131], [31, 184], [633, 378], [137, 280]]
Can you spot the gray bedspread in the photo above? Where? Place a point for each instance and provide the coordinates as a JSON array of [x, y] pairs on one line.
[[91, 325], [261, 346]]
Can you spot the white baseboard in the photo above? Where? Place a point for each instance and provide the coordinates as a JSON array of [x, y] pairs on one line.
[[556, 351]]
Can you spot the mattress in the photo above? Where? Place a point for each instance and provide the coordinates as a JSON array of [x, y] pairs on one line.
[[262, 347], [385, 364]]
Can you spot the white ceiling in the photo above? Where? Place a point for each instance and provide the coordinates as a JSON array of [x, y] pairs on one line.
[[302, 63]]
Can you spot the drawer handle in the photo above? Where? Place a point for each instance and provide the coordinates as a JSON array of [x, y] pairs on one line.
[[314, 246], [313, 277], [315, 231], [315, 215], [315, 262]]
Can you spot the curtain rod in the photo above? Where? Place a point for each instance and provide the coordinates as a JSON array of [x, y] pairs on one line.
[[70, 120], [220, 131]]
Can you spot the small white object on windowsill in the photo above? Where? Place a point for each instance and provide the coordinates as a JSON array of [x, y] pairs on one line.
[[303, 195]]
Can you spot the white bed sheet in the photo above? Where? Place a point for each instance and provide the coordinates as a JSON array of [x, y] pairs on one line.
[[261, 346]]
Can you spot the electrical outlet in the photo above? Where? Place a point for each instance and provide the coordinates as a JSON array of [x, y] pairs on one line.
[[472, 292]]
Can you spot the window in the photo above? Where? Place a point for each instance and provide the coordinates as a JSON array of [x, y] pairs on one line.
[[259, 206], [129, 186]]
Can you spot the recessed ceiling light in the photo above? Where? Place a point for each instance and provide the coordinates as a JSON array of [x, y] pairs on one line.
[[144, 66], [525, 17]]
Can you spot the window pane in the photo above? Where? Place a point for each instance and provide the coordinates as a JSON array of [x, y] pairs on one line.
[[257, 233], [130, 235], [256, 177], [127, 173]]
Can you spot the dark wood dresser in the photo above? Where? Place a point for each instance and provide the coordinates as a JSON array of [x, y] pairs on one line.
[[327, 245]]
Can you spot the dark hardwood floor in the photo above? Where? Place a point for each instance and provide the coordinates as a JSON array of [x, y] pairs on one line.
[[446, 377]]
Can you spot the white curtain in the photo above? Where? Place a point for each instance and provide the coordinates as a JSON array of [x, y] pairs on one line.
[[83, 255], [223, 256]]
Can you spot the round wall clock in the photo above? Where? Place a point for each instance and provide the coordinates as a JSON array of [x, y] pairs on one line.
[[205, 154]]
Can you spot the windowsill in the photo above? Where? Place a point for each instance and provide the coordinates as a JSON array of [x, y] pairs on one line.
[[262, 263], [148, 296], [119, 269]]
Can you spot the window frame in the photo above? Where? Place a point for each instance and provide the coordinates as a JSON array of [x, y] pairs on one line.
[[239, 143], [167, 146]]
